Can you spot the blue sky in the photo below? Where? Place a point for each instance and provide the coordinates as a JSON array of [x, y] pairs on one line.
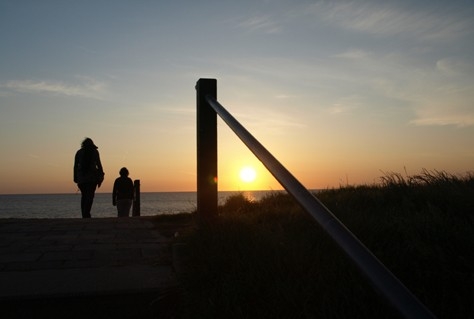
[[339, 91]]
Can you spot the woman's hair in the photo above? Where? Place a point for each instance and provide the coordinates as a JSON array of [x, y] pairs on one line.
[[89, 148], [88, 143], [123, 171]]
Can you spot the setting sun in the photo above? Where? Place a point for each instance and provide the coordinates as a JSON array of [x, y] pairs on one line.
[[248, 174]]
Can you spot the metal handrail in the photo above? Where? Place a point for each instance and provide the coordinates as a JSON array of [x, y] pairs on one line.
[[383, 280]]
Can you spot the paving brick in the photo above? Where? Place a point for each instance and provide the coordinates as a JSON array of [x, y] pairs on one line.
[[59, 238], [78, 241], [94, 246], [68, 255], [154, 252], [135, 226], [118, 241], [38, 265], [15, 247], [90, 263], [118, 254], [21, 257], [48, 247]]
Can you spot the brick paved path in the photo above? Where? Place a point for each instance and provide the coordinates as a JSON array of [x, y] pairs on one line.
[[51, 258]]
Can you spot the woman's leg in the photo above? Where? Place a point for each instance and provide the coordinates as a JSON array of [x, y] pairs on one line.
[[88, 192]]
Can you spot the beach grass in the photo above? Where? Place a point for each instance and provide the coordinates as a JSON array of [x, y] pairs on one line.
[[270, 259]]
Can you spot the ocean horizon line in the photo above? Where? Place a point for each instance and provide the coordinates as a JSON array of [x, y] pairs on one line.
[[150, 192]]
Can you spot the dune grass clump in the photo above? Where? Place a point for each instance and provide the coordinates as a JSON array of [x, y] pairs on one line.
[[270, 259]]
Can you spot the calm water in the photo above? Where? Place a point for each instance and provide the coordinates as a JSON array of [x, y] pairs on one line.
[[68, 205]]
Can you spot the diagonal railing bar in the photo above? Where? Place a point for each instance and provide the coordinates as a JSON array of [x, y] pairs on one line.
[[383, 280]]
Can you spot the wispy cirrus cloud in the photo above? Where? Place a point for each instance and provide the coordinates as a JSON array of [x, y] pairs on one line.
[[354, 54], [449, 104], [440, 113], [88, 88], [388, 20], [453, 67], [437, 93], [263, 23]]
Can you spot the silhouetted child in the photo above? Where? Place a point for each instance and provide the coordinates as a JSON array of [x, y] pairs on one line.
[[122, 194]]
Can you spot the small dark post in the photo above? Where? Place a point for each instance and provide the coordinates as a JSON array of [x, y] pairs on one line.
[[136, 198], [206, 151]]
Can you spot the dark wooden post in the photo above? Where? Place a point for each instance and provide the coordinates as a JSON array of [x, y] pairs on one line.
[[206, 151], [136, 198]]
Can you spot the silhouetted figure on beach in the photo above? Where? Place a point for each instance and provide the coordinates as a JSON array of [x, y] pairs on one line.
[[122, 194], [88, 174]]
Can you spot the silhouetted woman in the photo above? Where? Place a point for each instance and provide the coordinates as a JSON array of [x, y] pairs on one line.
[[88, 174], [122, 195]]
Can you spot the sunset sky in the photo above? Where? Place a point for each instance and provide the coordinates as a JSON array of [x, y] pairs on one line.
[[338, 91]]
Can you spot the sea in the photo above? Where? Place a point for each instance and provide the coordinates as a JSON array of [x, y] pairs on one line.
[[68, 205]]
